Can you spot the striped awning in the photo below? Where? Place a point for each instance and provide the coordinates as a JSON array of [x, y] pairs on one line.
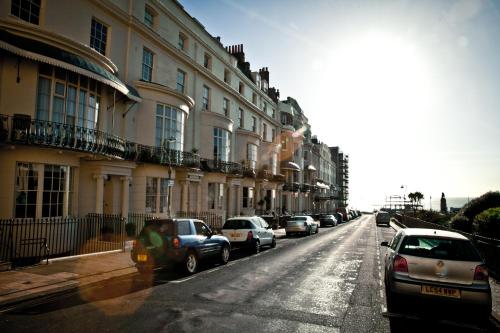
[[42, 52]]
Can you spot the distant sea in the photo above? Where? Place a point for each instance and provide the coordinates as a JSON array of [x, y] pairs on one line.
[[435, 203]]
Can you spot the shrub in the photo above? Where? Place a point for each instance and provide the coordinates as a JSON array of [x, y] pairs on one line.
[[130, 229], [488, 223], [460, 222], [478, 205]]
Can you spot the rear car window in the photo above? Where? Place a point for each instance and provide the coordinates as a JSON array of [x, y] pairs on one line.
[[439, 248], [183, 228], [238, 224], [165, 227], [298, 219]]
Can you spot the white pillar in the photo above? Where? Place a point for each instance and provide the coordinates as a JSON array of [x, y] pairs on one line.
[[99, 193], [198, 197], [239, 196], [229, 206], [125, 195], [184, 196]]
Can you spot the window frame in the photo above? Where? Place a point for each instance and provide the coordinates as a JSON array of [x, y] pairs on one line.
[[152, 23], [221, 144], [207, 61], [205, 101], [241, 118], [225, 107], [183, 84], [146, 66], [94, 38], [252, 155], [31, 17]]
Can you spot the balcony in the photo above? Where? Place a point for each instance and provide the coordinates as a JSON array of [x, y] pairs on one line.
[[248, 172], [264, 174], [21, 129], [280, 178], [161, 155], [291, 187], [221, 166], [305, 188]]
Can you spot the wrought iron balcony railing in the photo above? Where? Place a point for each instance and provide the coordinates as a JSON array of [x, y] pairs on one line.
[[221, 166], [291, 187], [21, 129]]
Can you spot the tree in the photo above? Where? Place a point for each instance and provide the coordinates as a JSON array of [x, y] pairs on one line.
[[415, 198]]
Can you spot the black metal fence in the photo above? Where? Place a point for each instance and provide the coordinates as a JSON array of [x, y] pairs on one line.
[[213, 220], [27, 241], [137, 220], [488, 247]]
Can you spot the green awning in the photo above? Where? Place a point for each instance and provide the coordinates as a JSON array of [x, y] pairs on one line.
[[42, 52]]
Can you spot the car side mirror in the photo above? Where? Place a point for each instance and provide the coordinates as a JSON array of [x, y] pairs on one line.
[[384, 244]]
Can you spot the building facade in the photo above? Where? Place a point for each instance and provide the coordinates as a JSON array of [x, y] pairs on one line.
[[133, 107]]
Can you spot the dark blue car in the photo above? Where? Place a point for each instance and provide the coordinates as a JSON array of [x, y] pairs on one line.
[[182, 241]]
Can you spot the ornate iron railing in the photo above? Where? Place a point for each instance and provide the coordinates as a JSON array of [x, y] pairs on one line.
[[221, 166]]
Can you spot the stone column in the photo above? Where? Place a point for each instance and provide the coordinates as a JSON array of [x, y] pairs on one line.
[[99, 193], [229, 206], [184, 195], [198, 197], [239, 196], [258, 195], [125, 195]]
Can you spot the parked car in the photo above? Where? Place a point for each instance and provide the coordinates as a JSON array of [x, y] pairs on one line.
[[250, 232], [339, 217], [383, 218], [435, 267], [345, 213], [185, 241], [301, 224], [327, 220]]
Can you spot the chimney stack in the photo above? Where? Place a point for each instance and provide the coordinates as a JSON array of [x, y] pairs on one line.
[[264, 74]]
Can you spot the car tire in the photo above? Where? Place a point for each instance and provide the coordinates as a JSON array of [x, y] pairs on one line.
[[144, 270], [287, 234], [310, 231], [273, 242], [191, 263], [256, 247], [224, 254]]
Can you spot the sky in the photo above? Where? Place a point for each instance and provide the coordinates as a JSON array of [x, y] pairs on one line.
[[410, 90]]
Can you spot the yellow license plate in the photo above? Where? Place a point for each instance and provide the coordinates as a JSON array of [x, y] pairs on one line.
[[142, 257], [235, 234], [440, 291]]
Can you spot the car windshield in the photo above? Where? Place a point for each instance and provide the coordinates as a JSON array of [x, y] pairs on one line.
[[237, 224], [439, 248]]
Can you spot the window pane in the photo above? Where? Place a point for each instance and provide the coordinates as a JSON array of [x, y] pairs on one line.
[[43, 99]]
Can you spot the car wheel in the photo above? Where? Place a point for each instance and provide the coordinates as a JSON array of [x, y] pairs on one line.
[[273, 243], [144, 270], [310, 230], [287, 234], [224, 254], [256, 247], [191, 263]]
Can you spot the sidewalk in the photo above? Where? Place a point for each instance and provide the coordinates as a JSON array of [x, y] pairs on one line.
[[61, 275]]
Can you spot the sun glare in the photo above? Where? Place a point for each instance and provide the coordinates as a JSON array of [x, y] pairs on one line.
[[379, 72]]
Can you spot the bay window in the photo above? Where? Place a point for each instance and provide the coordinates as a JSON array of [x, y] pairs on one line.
[[221, 144]]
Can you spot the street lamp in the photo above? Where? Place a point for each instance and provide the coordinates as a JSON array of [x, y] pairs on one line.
[[405, 187], [169, 180]]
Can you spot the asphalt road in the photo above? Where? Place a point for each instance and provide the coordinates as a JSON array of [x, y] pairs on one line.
[[329, 282]]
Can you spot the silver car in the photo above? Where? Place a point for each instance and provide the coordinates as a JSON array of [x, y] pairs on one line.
[[435, 267], [301, 224]]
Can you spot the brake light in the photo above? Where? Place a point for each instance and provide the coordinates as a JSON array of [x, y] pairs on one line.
[[176, 243], [481, 273], [400, 264], [249, 236]]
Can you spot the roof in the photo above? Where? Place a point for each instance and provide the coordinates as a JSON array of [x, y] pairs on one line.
[[432, 232]]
